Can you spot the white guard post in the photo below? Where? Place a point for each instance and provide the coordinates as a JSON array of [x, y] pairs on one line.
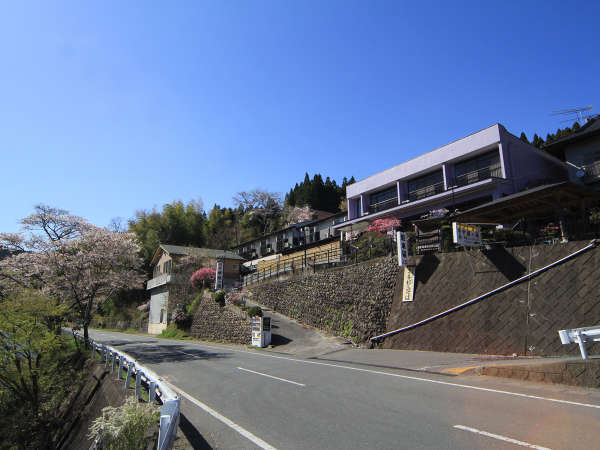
[[580, 336], [261, 331]]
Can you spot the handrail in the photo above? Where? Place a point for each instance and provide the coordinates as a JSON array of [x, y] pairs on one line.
[[592, 244], [144, 377], [383, 205], [292, 264], [493, 171], [426, 191]]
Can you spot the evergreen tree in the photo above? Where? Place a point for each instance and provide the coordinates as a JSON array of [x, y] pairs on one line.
[[523, 137]]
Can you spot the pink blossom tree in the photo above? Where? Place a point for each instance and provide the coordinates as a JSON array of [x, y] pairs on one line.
[[384, 225], [201, 276], [71, 260]]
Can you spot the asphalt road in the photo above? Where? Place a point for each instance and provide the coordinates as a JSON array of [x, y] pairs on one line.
[[240, 398]]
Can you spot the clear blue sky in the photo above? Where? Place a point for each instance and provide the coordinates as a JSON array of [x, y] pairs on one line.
[[110, 107]]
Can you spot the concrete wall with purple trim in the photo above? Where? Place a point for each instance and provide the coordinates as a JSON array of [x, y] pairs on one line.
[[527, 166], [522, 164]]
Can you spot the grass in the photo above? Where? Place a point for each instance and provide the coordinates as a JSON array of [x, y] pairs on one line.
[[172, 332], [118, 330]]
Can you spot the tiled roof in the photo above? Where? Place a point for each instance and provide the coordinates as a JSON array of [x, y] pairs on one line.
[[196, 251]]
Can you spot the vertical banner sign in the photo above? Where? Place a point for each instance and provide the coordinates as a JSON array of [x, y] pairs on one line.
[[402, 243], [467, 235], [408, 290], [219, 275]]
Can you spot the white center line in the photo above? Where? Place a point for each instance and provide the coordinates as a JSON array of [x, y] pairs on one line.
[[271, 376], [500, 437], [247, 434]]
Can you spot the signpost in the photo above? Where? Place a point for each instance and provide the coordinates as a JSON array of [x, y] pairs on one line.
[[219, 275], [402, 243], [408, 288], [466, 235]]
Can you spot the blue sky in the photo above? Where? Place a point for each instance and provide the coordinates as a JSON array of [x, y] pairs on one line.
[[111, 107]]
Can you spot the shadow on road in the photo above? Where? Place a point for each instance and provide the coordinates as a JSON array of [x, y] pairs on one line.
[[191, 434], [154, 354], [277, 340]]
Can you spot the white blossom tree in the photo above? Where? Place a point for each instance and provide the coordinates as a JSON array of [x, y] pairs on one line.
[[71, 260]]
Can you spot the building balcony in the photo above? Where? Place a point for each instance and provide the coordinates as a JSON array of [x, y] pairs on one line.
[[494, 171], [426, 191], [592, 172], [383, 205], [158, 281]]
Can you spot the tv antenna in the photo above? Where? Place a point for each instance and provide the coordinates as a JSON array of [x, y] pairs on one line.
[[577, 114]]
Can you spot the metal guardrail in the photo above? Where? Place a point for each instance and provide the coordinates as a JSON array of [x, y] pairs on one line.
[[580, 336], [144, 378], [593, 244]]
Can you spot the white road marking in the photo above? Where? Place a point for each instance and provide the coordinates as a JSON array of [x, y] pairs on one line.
[[247, 434], [500, 437], [406, 377], [271, 376], [426, 380]]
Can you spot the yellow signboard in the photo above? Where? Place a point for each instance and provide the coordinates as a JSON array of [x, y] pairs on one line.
[[408, 291]]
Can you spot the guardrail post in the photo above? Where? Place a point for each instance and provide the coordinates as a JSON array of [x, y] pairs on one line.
[[582, 344], [120, 367], [128, 377], [114, 361], [106, 358], [152, 391], [138, 383], [93, 350]]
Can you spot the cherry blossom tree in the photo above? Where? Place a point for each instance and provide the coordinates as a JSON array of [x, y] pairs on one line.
[[201, 276], [70, 260]]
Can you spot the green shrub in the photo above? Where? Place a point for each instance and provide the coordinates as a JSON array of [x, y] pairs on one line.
[[172, 332], [220, 298], [255, 311], [191, 308], [126, 427]]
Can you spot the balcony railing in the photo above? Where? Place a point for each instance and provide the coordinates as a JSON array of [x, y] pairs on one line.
[[426, 191], [158, 281], [382, 206], [592, 172], [485, 173]]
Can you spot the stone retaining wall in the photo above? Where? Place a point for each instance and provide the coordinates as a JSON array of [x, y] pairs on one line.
[[221, 323], [353, 301]]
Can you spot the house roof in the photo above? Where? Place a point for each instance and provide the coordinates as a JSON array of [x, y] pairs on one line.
[[194, 251], [589, 129]]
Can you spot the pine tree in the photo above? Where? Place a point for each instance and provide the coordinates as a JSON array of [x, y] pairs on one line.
[[523, 137]]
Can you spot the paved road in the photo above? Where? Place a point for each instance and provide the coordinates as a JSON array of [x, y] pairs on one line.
[[289, 336], [268, 400]]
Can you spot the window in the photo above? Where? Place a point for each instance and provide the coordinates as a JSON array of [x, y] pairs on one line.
[[488, 162], [425, 186], [386, 194]]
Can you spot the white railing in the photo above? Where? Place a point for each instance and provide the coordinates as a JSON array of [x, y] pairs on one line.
[[147, 379], [580, 336]]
